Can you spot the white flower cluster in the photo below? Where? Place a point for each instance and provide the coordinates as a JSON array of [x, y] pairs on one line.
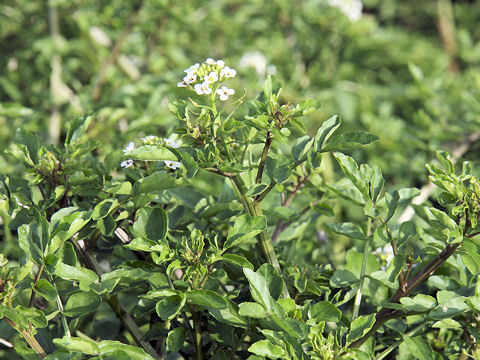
[[152, 140], [351, 8], [385, 253], [207, 77]]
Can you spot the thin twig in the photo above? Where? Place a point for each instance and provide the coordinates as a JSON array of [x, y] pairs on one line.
[[296, 188], [386, 314], [469, 236], [60, 307], [219, 172], [265, 192], [6, 343], [35, 281], [281, 225], [261, 165]]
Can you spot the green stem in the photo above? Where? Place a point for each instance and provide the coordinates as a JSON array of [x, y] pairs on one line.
[[198, 335], [60, 307], [264, 241], [212, 100], [27, 335], [366, 251]]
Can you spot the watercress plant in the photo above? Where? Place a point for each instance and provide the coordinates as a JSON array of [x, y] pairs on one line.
[[192, 243]]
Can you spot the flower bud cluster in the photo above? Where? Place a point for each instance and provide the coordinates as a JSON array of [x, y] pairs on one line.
[[206, 78]]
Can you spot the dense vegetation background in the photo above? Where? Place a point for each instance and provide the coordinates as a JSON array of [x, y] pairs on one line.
[[406, 71]]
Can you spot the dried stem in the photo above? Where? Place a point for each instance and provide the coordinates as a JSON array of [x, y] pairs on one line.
[[97, 87], [446, 28], [35, 281], [261, 165]]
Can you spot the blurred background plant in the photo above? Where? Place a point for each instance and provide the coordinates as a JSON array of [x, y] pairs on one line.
[[406, 71]]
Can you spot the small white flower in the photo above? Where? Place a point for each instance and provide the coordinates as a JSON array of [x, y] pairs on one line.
[[351, 8], [192, 68], [211, 78], [181, 84], [228, 72], [220, 63], [254, 59], [271, 69], [190, 78], [171, 143], [387, 253], [172, 164], [203, 88], [99, 36], [127, 163], [210, 61], [129, 147], [224, 92]]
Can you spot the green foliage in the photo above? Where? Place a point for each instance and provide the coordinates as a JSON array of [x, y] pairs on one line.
[[257, 229]]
